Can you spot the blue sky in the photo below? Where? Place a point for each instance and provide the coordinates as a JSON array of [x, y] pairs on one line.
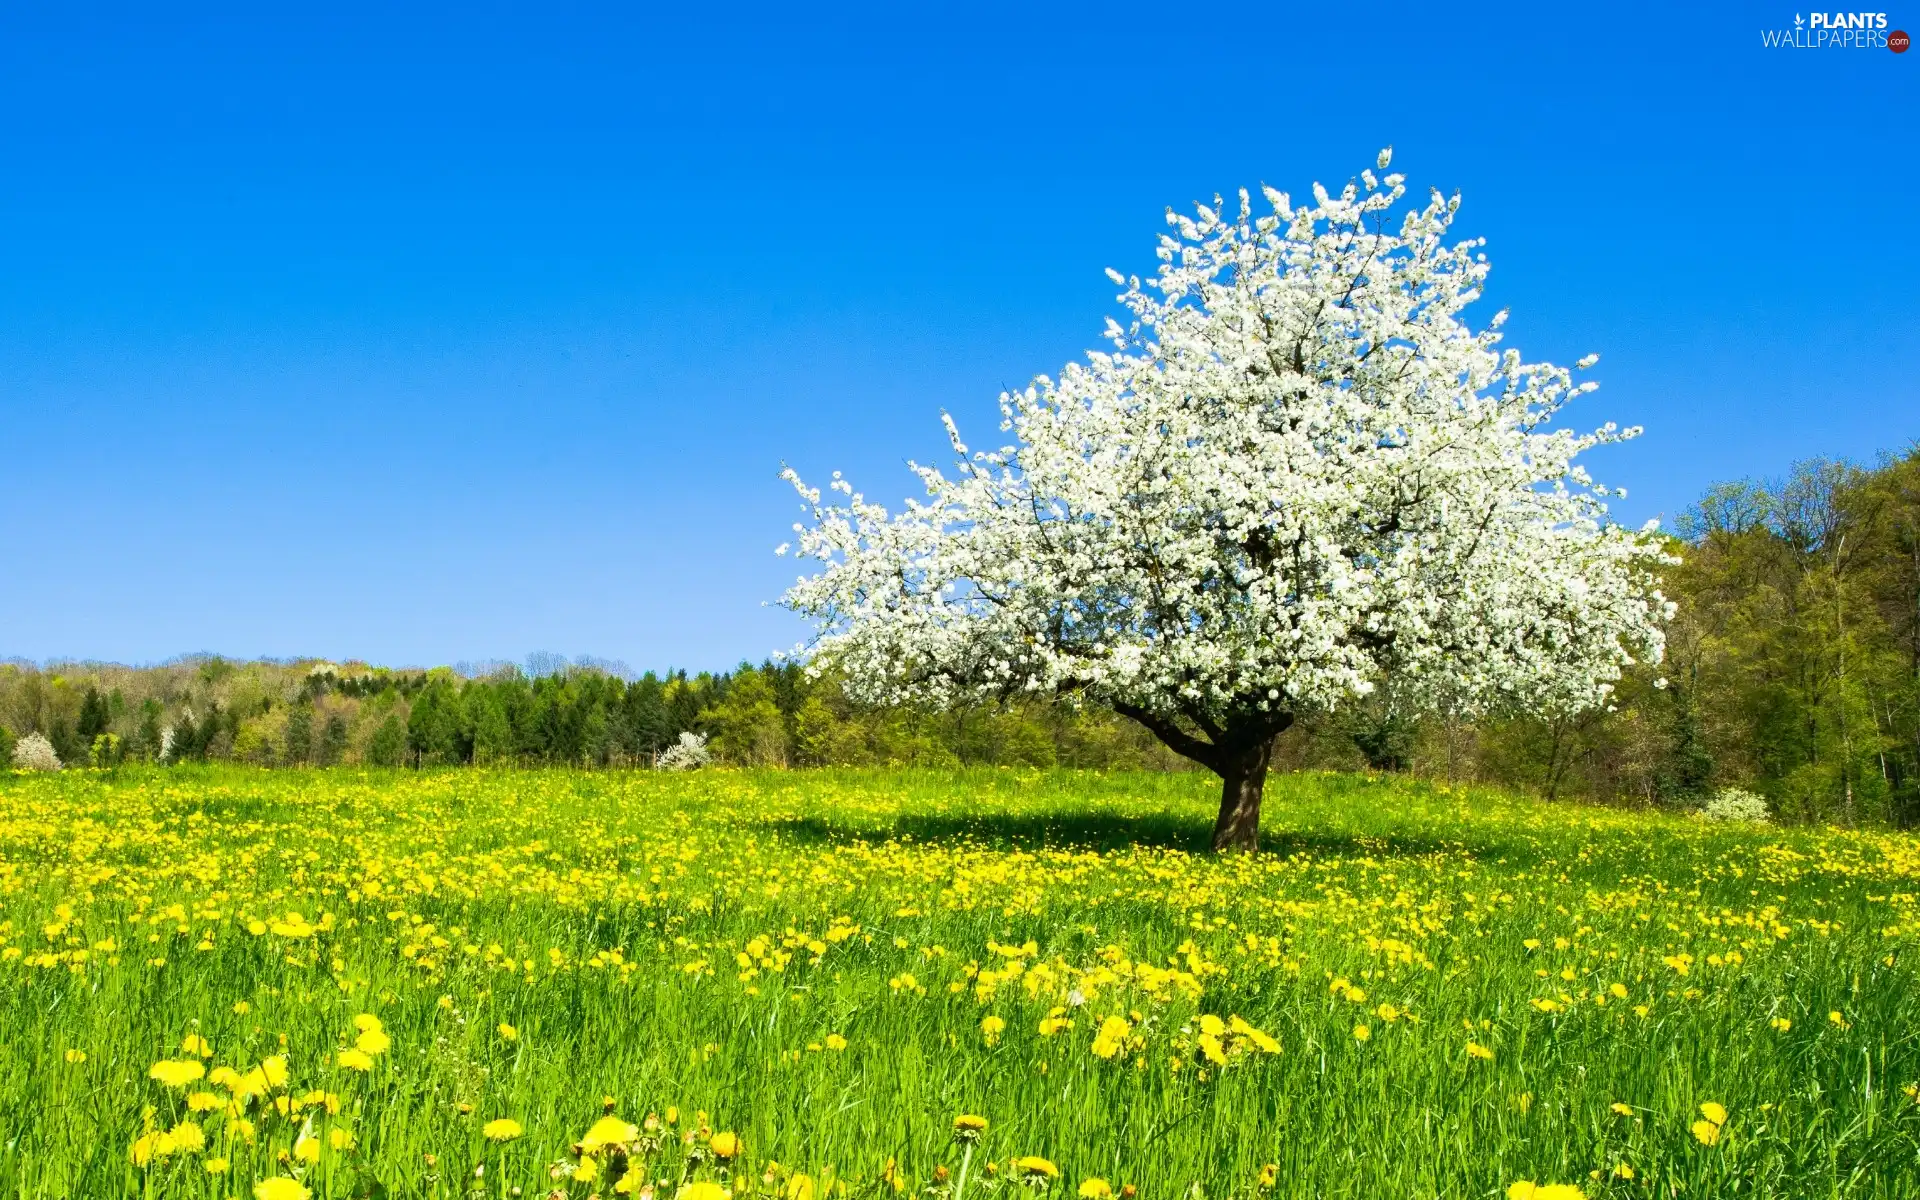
[[458, 333]]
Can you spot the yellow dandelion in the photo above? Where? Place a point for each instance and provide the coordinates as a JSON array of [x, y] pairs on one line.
[[503, 1129], [724, 1145], [1095, 1188], [280, 1188], [356, 1060], [176, 1073], [1032, 1166], [1361, 1033], [608, 1131]]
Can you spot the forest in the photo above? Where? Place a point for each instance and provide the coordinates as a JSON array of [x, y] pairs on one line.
[[1792, 669]]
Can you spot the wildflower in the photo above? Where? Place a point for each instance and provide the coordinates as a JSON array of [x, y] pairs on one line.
[[702, 1190], [215, 1166], [724, 1145], [280, 1188], [991, 1027], [1112, 1037], [176, 1074], [1387, 1013], [76, 1056], [1839, 1021], [502, 1129], [368, 1023], [1622, 1171], [340, 1139], [1032, 1166], [1781, 1024], [1269, 1174], [193, 1043], [373, 1042], [1476, 1050], [274, 1070], [799, 1186], [1095, 1188], [608, 1131], [836, 1043], [508, 1033], [1625, 1110], [306, 1148], [1714, 1112], [187, 1138], [1706, 1133], [1526, 1189], [1361, 1033], [356, 1060]]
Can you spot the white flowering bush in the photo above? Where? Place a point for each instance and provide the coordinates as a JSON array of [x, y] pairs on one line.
[[35, 753], [1737, 804], [686, 754], [1295, 473]]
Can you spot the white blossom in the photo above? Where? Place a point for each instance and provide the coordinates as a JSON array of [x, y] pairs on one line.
[[686, 754], [1296, 472], [35, 753], [1737, 805]]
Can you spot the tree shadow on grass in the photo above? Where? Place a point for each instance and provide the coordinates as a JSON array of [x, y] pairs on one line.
[[1096, 831]]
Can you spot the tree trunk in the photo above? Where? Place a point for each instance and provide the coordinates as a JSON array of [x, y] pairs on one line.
[[1243, 778]]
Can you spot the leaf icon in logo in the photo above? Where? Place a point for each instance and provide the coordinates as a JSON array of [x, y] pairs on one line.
[[1798, 21]]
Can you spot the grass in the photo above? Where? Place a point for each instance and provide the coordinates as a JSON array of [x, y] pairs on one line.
[[699, 947]]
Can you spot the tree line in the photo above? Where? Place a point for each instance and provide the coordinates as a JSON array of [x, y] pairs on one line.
[[1793, 669]]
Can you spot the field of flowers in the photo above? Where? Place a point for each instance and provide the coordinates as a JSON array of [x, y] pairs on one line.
[[224, 982]]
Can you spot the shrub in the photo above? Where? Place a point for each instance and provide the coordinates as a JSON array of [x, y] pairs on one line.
[[1737, 804], [35, 753], [689, 752]]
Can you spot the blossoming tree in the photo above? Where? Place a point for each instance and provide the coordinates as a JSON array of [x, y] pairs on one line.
[[1298, 473]]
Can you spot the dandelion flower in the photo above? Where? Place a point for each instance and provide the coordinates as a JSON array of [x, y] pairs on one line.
[[1625, 1110], [356, 1060], [215, 1166], [1476, 1050], [1095, 1189], [836, 1043], [1361, 1033], [1526, 1189], [724, 1145], [1706, 1133], [508, 1033], [1034, 1167], [968, 1127], [608, 1131], [702, 1190], [373, 1042], [1714, 1112], [505, 1129], [991, 1027], [176, 1074], [799, 1187], [76, 1056], [280, 1188]]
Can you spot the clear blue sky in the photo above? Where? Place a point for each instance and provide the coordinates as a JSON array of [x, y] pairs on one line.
[[458, 334]]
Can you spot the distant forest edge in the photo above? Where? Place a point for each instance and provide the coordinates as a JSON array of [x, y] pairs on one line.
[[1793, 669]]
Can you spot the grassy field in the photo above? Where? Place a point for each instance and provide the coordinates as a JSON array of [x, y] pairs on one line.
[[227, 982]]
